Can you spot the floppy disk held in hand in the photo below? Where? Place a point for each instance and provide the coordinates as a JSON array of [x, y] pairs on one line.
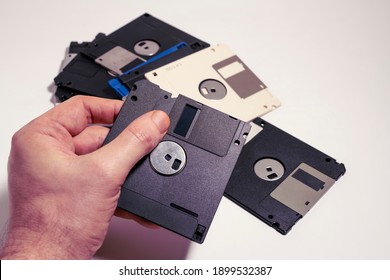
[[278, 178], [179, 185], [140, 42], [216, 77]]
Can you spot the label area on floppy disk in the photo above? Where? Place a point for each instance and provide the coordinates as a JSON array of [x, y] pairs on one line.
[[216, 77], [279, 178], [143, 41], [179, 185]]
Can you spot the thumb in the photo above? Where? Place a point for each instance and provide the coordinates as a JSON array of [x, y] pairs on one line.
[[137, 140]]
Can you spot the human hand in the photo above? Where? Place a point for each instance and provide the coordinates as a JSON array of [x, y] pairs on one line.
[[63, 185]]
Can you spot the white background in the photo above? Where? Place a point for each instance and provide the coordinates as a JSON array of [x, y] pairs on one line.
[[327, 61]]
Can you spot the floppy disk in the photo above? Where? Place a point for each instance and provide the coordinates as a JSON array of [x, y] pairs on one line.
[[140, 42], [72, 51], [216, 77], [179, 185], [278, 178], [81, 75]]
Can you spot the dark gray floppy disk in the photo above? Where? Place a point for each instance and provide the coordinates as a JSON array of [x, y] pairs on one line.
[[179, 185], [278, 178]]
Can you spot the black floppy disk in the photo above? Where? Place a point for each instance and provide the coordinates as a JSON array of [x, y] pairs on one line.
[[179, 185], [278, 178], [140, 42], [81, 75]]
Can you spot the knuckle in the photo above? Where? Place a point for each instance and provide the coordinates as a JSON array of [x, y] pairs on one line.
[[144, 136], [77, 99], [20, 138]]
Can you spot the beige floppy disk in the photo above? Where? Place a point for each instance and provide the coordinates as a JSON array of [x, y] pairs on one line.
[[217, 78]]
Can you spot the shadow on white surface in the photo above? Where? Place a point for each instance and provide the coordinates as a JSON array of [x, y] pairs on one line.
[[52, 90], [4, 210], [127, 240]]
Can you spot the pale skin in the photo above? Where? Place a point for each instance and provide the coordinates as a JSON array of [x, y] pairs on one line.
[[64, 185]]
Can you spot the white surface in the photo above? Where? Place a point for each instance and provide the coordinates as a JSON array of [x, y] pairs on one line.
[[327, 61]]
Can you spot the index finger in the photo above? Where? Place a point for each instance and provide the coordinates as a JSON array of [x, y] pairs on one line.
[[77, 112]]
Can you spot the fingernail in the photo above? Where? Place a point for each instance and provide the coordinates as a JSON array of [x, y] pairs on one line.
[[161, 119]]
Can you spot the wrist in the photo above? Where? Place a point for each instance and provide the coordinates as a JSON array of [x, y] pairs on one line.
[[40, 235], [24, 243]]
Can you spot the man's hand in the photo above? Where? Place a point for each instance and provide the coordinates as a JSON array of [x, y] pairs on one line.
[[63, 185]]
